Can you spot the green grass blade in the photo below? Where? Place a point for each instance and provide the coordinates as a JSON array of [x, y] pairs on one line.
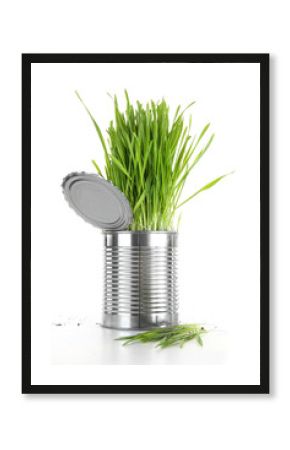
[[120, 166], [204, 188], [95, 125], [97, 168]]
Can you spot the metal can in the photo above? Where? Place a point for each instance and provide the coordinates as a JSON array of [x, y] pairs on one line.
[[140, 280]]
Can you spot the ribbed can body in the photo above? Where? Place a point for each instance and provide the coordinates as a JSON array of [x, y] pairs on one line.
[[140, 284]]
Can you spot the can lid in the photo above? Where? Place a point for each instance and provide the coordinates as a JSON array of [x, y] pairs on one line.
[[97, 201]]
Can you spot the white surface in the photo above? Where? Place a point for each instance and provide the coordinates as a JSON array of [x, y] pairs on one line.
[[86, 342], [219, 255], [91, 421]]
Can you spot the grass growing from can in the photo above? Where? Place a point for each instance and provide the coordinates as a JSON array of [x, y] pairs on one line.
[[168, 337], [149, 158]]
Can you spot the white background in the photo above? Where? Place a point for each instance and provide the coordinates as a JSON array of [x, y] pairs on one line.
[[87, 421], [219, 255]]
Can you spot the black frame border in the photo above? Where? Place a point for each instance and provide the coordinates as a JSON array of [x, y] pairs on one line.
[[260, 58]]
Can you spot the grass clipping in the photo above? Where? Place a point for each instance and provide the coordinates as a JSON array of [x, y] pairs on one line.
[[149, 158], [168, 337]]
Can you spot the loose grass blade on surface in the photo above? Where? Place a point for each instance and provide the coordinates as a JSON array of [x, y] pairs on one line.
[[168, 337], [149, 157]]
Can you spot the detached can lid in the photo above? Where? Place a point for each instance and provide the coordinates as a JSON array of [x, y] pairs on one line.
[[97, 201]]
